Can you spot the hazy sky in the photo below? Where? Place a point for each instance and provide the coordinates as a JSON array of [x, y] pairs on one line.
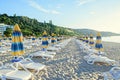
[[102, 15]]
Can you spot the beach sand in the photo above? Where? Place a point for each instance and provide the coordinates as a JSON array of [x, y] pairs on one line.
[[68, 64], [112, 50]]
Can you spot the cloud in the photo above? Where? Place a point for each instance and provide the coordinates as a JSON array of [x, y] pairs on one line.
[[82, 2], [40, 8]]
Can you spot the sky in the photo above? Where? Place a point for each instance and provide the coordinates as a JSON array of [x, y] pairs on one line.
[[101, 15]]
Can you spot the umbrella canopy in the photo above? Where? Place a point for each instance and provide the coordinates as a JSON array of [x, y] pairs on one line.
[[44, 40], [91, 42], [0, 43], [86, 40], [17, 42], [53, 38], [58, 37], [33, 39], [83, 38], [98, 44]]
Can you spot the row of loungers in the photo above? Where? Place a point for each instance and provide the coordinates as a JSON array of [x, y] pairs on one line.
[[26, 68], [95, 57]]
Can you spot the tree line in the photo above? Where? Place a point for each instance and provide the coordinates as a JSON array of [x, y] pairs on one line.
[[31, 27]]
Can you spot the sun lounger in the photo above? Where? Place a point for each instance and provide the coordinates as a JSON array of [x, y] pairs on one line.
[[100, 59], [114, 73], [43, 54], [30, 65], [12, 73], [3, 51], [51, 53], [52, 48], [28, 47]]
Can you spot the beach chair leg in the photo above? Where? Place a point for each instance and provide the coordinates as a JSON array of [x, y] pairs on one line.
[[46, 72], [32, 78], [105, 76]]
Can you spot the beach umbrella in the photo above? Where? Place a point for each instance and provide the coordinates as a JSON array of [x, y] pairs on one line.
[[44, 41], [53, 38], [33, 39], [17, 43], [86, 39], [58, 37], [91, 42], [0, 43], [98, 44], [83, 38]]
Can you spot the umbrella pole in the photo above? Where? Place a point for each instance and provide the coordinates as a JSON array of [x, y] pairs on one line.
[[99, 53]]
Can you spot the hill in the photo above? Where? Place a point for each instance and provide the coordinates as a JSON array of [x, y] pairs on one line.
[[33, 27], [90, 31]]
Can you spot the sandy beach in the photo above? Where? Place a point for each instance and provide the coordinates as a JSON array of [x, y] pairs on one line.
[[68, 64], [112, 50]]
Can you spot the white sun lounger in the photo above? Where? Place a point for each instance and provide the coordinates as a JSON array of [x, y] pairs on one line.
[[100, 59], [114, 73], [29, 64], [43, 54], [51, 53], [12, 73], [3, 51], [52, 48], [57, 46]]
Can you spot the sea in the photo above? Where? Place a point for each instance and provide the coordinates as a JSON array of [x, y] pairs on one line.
[[111, 39]]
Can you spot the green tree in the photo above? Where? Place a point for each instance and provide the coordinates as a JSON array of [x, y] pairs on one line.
[[32, 26], [8, 32]]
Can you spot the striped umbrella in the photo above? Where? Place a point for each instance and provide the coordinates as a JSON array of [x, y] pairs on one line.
[[58, 37], [86, 39], [17, 42], [53, 39], [83, 38], [0, 43], [91, 43], [98, 44], [33, 39], [44, 41]]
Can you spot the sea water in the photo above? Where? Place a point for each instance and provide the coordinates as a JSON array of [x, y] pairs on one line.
[[111, 39]]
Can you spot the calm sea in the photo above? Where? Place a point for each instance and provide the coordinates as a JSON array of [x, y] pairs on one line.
[[111, 39]]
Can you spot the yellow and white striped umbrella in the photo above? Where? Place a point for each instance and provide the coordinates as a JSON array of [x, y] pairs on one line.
[[44, 40], [98, 44], [17, 42], [91, 42]]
